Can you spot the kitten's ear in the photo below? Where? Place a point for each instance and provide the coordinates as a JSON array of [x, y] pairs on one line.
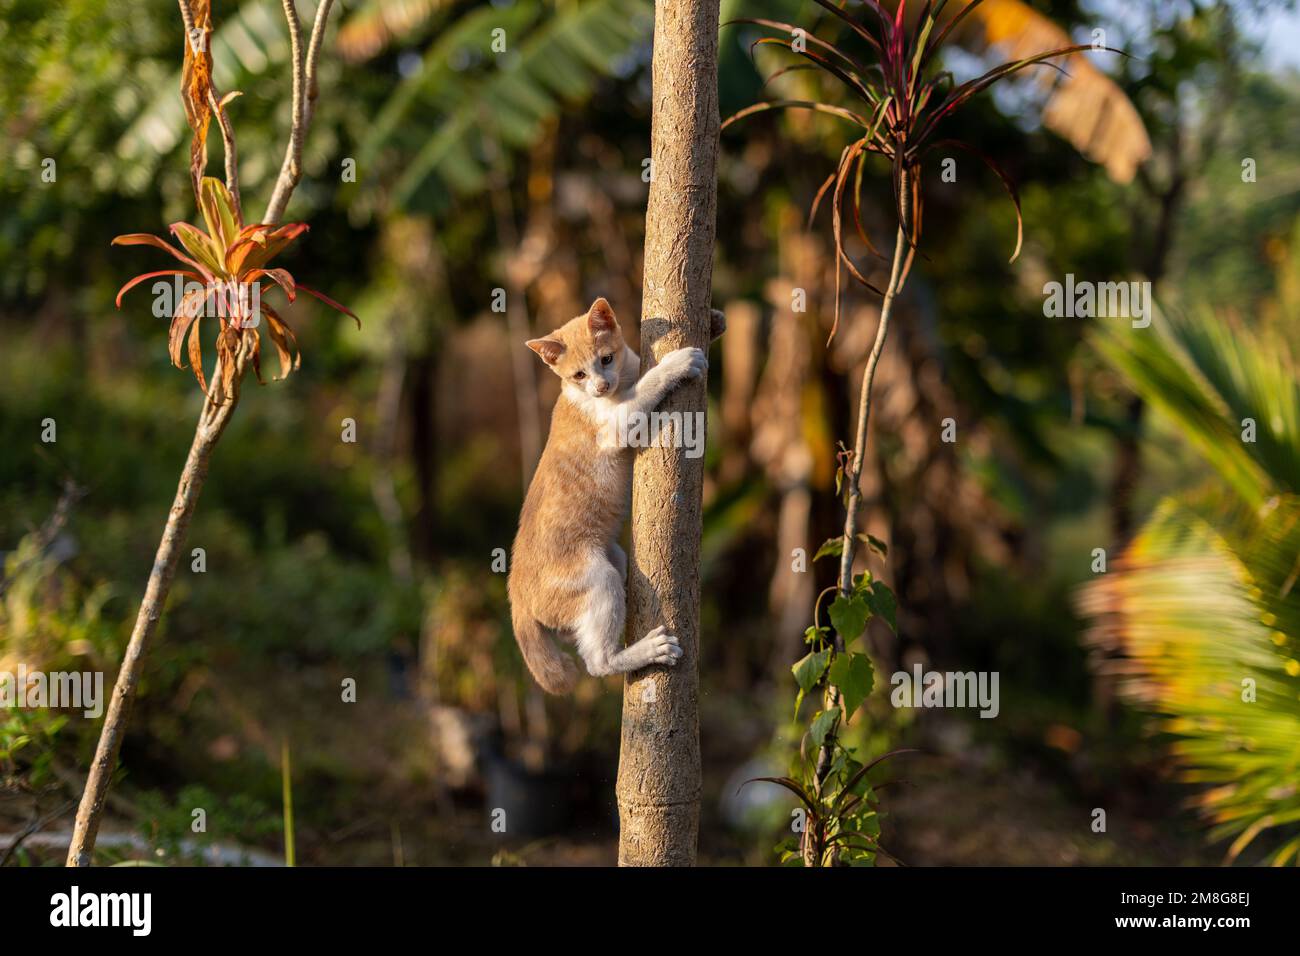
[[549, 349], [600, 317]]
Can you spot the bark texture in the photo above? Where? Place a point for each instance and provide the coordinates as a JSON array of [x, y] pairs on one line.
[[659, 764]]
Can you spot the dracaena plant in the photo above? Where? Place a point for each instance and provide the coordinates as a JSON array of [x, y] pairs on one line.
[[898, 100], [229, 259], [895, 99]]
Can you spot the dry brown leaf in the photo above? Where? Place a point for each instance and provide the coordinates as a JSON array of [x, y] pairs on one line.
[[196, 87], [373, 28], [1085, 107], [196, 356]]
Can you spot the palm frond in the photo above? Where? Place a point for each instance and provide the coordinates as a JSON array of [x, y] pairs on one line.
[[1191, 626], [1209, 381], [559, 58], [1200, 617]]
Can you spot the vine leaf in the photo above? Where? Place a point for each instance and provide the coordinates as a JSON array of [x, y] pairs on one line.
[[831, 547], [834, 547], [875, 544], [849, 615], [816, 635], [808, 672], [853, 675], [821, 726], [884, 603]]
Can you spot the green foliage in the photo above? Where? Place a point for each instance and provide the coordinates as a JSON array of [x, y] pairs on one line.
[[48, 622], [841, 822], [834, 547], [71, 75], [849, 615], [301, 598], [883, 603], [1211, 376], [28, 741], [483, 99], [439, 131], [46, 618], [1204, 602], [167, 824], [1215, 640], [809, 670], [853, 675], [831, 548]]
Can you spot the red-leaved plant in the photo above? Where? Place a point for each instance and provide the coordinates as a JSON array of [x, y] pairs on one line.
[[905, 100], [227, 258], [899, 100]]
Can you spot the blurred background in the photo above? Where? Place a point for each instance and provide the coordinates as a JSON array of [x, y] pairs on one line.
[[475, 171]]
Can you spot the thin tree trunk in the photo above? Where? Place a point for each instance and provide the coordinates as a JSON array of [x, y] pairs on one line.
[[212, 422], [659, 764]]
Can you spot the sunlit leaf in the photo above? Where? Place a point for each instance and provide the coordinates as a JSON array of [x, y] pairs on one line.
[[831, 547], [821, 726], [152, 275], [198, 244], [809, 670], [217, 207]]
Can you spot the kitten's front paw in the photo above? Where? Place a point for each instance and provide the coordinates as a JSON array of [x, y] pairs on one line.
[[664, 648], [683, 364]]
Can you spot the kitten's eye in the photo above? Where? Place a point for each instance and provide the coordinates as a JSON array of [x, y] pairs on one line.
[[606, 359], [579, 376]]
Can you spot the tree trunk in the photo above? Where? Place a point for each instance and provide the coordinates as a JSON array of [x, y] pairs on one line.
[[659, 765]]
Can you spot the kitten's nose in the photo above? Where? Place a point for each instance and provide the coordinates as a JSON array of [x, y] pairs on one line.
[[602, 388]]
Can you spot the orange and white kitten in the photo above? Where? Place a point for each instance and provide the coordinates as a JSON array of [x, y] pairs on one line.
[[567, 569]]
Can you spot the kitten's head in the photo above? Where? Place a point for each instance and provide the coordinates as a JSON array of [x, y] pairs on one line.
[[587, 351]]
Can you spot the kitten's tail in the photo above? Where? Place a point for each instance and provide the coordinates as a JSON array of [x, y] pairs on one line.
[[553, 669]]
